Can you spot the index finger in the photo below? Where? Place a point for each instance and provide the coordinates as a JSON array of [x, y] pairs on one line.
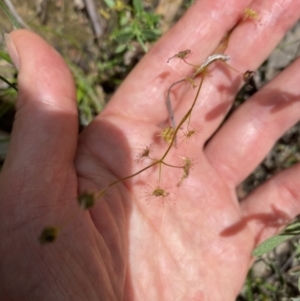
[[142, 95]]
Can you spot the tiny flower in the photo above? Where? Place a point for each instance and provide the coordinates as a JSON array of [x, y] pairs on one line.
[[168, 134]]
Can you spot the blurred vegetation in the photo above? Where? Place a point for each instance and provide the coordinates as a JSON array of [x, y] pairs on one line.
[[99, 63]]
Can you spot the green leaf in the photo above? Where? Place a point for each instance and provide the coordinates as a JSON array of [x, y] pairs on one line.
[[150, 35], [151, 20], [120, 48], [269, 244], [124, 19], [124, 37], [5, 56], [140, 40], [110, 3], [138, 6], [293, 228]]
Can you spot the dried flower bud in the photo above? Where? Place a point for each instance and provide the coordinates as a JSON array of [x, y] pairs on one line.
[[167, 134], [86, 200], [250, 13], [181, 55], [48, 235], [247, 75]]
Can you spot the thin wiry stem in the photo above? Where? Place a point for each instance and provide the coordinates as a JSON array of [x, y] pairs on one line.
[[183, 120], [9, 83], [169, 105], [200, 69], [9, 15]]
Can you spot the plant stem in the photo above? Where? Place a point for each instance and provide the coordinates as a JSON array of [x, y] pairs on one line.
[[9, 15]]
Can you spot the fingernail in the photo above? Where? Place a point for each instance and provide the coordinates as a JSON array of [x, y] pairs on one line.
[[12, 50]]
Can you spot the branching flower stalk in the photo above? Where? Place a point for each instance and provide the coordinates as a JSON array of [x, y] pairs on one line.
[[87, 200]]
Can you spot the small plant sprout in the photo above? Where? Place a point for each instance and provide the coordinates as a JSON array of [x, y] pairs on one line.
[[190, 134], [170, 134]]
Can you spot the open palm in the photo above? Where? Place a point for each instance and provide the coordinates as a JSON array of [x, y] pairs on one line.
[[192, 244]]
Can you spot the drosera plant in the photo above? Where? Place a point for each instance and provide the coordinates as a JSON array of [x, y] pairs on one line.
[[146, 154], [158, 193], [188, 134], [168, 138]]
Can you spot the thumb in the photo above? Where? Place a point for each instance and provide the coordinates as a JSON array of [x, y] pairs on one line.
[[45, 127], [38, 170]]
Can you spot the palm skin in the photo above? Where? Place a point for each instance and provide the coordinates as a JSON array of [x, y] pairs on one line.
[[194, 244]]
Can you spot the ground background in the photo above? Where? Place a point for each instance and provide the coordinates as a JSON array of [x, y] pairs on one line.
[[102, 40]]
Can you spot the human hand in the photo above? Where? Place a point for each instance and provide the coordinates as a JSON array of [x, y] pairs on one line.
[[129, 246]]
